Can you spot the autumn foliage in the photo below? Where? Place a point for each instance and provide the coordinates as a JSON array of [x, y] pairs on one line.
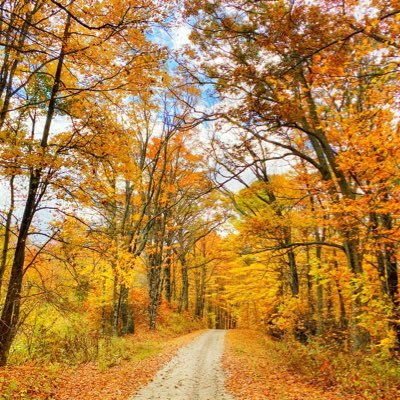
[[250, 178]]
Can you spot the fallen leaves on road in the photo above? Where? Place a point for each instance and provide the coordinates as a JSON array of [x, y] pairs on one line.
[[88, 381], [252, 374]]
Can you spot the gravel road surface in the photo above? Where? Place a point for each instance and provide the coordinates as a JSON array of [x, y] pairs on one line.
[[195, 373]]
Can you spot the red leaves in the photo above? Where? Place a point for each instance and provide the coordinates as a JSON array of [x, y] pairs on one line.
[[325, 366]]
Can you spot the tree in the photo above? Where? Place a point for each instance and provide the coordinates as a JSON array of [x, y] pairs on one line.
[[297, 73], [49, 47]]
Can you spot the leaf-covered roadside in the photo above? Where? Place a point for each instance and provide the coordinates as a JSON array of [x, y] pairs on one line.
[[259, 368], [89, 380]]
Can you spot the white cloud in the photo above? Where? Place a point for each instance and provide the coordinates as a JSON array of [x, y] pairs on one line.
[[180, 36]]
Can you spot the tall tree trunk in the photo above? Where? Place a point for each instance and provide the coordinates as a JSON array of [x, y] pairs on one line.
[[392, 276], [379, 253], [173, 282], [127, 322], [7, 233], [116, 304], [184, 297], [310, 297], [154, 279], [320, 289], [330, 172], [103, 308], [200, 293], [293, 274], [359, 335], [167, 278], [294, 277], [11, 309], [343, 318], [343, 322]]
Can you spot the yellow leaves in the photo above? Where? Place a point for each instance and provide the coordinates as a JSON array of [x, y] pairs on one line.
[[387, 344], [126, 264], [289, 315]]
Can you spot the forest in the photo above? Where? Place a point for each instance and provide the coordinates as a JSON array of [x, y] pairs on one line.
[[172, 166]]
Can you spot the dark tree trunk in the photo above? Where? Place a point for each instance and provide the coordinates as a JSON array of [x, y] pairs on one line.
[[310, 299], [167, 279], [184, 297], [154, 278], [320, 289], [294, 277], [127, 321], [380, 255], [392, 277], [7, 231], [200, 293], [343, 318], [116, 304], [11, 310], [359, 335]]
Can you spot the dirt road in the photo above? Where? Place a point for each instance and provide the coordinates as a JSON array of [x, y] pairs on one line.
[[195, 373]]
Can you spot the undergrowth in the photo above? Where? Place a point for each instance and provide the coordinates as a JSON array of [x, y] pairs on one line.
[[372, 374], [74, 342]]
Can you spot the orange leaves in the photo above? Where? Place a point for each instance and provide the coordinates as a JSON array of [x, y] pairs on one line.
[[18, 383], [88, 381], [254, 372], [121, 381]]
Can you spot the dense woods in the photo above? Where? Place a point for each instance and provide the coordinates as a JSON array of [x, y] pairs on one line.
[[247, 179], [315, 85]]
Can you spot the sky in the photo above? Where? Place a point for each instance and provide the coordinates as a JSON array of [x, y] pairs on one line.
[[176, 39]]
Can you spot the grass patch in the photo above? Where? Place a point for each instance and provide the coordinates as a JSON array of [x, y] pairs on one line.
[[115, 350], [146, 350]]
